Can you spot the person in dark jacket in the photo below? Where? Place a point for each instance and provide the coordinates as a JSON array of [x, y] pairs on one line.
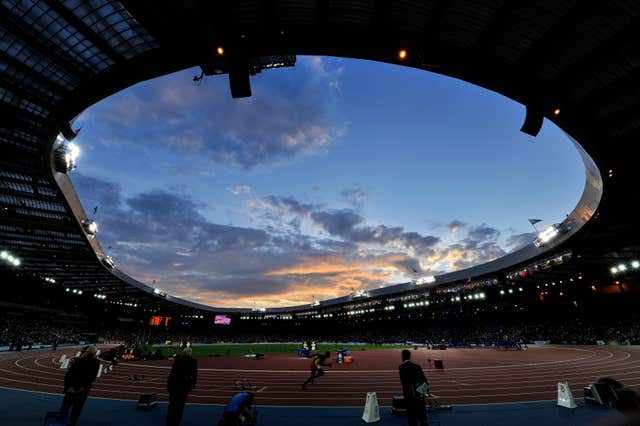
[[182, 379], [77, 383], [411, 377]]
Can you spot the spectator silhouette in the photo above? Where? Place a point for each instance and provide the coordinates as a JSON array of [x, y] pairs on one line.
[[77, 383], [182, 379]]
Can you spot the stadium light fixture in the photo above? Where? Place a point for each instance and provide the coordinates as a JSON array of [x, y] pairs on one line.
[[425, 280], [622, 267], [635, 264], [614, 270], [220, 50], [90, 226], [501, 291], [547, 235], [510, 291], [66, 155], [10, 258], [402, 54], [556, 111]]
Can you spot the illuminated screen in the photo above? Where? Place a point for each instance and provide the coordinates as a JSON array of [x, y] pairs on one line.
[[158, 320], [222, 320]]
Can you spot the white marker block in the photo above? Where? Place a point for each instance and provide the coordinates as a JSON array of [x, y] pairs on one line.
[[565, 396], [371, 409]]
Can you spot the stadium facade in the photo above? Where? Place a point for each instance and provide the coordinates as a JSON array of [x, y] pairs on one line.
[[574, 63]]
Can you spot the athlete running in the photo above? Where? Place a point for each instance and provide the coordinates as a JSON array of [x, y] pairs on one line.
[[316, 367]]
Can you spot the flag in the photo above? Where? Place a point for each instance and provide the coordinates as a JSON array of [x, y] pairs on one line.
[[534, 221]]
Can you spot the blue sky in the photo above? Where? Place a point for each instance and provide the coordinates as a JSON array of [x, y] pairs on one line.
[[336, 174]]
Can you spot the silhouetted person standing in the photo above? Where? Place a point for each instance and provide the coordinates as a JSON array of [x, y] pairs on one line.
[[182, 379], [77, 383], [412, 376]]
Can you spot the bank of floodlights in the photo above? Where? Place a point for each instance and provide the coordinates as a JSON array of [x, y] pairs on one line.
[[622, 267], [9, 258], [65, 155]]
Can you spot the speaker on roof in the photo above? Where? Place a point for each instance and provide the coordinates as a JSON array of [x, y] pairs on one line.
[[532, 122], [239, 82]]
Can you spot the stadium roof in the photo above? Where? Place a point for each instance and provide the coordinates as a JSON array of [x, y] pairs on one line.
[[575, 63]]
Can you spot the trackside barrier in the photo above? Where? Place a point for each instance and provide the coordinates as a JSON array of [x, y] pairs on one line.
[[565, 397], [371, 409]]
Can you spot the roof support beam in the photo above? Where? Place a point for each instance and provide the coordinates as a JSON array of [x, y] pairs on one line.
[[34, 43], [59, 8], [14, 63]]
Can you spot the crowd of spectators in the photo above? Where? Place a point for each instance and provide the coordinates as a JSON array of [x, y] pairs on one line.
[[22, 333]]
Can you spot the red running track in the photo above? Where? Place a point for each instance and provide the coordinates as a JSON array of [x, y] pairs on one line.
[[470, 376]]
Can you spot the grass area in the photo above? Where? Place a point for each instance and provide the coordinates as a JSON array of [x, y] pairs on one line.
[[271, 348]]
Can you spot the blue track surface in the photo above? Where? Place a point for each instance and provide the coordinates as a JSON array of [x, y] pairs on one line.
[[21, 408]]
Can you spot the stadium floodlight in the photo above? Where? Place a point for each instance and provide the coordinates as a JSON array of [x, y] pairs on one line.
[[16, 262], [425, 280], [547, 235], [482, 295], [635, 264], [510, 290], [160, 292], [65, 155], [501, 291], [614, 270], [90, 227], [402, 54], [4, 255], [622, 267], [108, 262]]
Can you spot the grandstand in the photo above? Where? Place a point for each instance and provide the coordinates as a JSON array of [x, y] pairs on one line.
[[573, 63]]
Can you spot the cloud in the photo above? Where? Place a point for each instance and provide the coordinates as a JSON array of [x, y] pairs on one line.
[[483, 232], [160, 235], [354, 196], [348, 224], [456, 225], [286, 205], [240, 189], [285, 119], [518, 241], [322, 70]]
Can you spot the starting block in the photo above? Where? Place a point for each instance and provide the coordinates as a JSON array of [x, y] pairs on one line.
[[62, 358], [147, 401], [64, 364]]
